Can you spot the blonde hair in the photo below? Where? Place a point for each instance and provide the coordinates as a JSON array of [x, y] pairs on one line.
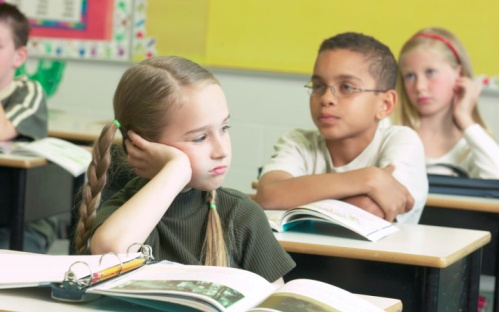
[[142, 101], [215, 253], [452, 50]]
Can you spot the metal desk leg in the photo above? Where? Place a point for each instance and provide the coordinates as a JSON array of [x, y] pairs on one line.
[[17, 224], [495, 305]]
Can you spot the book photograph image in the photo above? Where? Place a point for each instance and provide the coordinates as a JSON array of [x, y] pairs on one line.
[[169, 286], [204, 288], [304, 295], [224, 295], [286, 302], [347, 218]]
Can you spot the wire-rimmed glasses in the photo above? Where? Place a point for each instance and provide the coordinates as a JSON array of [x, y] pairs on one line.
[[340, 91]]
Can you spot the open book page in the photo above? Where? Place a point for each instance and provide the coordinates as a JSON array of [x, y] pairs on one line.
[[310, 295], [69, 156], [274, 217], [205, 288], [7, 149], [22, 269], [349, 216]]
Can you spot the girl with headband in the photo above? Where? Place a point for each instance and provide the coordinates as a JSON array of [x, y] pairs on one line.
[[173, 117], [438, 98]]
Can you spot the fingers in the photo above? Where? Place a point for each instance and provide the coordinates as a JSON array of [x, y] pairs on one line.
[[137, 140], [389, 169], [391, 196], [135, 146], [409, 203], [466, 87]]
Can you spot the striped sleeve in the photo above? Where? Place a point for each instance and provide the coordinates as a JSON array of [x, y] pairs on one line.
[[26, 108]]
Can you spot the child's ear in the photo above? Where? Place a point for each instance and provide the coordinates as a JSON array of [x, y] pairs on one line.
[[20, 57], [387, 105]]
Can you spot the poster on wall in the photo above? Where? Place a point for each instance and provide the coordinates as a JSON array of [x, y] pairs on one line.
[[79, 29]]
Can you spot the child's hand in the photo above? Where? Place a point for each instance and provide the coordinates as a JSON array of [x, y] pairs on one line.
[[391, 196], [466, 93], [148, 158]]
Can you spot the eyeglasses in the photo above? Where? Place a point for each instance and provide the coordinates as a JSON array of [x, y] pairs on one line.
[[341, 91]]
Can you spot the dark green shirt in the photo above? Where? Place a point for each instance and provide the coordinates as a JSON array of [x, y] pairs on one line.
[[180, 234]]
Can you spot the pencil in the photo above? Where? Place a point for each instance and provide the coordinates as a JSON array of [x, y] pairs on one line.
[[116, 269]]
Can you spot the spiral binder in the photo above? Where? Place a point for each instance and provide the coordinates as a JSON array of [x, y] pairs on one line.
[[73, 288]]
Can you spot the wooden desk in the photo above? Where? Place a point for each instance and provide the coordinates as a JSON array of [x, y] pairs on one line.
[[470, 213], [32, 188], [25, 299], [77, 128], [463, 202], [429, 268]]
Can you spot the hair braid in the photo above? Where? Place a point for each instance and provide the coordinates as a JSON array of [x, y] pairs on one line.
[[215, 248], [91, 193]]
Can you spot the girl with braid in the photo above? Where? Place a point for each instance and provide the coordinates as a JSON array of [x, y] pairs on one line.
[[173, 116]]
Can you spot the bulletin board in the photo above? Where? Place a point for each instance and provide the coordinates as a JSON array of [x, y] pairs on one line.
[[79, 29], [283, 36]]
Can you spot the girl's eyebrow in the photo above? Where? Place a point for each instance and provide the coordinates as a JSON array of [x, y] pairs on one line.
[[204, 128]]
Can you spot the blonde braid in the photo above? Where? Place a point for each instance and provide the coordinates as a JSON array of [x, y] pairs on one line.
[[91, 193], [216, 250]]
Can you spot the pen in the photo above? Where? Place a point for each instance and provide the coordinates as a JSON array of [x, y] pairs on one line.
[[117, 269]]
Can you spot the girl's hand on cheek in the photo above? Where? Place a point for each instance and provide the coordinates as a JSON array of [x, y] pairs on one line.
[[466, 93], [148, 158]]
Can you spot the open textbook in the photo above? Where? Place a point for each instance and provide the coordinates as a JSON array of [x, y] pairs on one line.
[[174, 287], [335, 213], [73, 158]]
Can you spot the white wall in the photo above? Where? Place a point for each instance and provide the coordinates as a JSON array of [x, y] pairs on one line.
[[262, 106], [489, 109]]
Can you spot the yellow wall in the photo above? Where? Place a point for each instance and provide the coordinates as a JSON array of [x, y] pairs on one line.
[[283, 36], [179, 27]]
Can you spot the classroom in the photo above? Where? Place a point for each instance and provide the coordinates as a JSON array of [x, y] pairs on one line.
[[262, 53], [257, 85]]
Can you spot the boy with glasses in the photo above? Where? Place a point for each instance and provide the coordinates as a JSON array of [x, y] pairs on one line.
[[350, 156]]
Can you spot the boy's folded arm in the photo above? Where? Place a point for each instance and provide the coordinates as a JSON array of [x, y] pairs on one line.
[[281, 190], [406, 152], [391, 195], [366, 203]]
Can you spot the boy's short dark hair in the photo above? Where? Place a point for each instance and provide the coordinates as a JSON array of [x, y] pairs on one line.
[[383, 66], [18, 22]]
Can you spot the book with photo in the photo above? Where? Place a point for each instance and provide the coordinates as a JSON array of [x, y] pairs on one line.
[[332, 213], [166, 286], [169, 286]]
